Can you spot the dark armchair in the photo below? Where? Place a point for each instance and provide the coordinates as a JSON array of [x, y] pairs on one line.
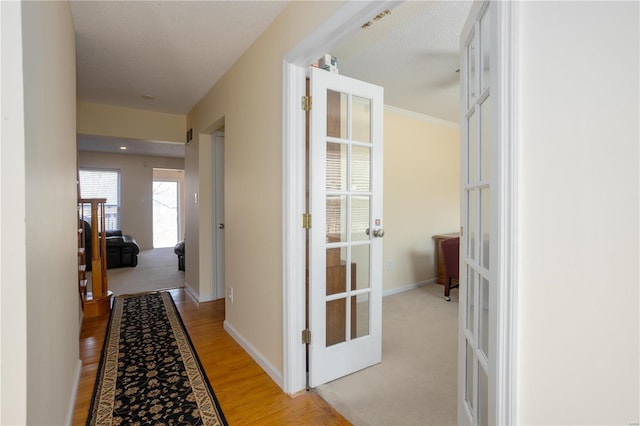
[[122, 250], [451, 256], [179, 251]]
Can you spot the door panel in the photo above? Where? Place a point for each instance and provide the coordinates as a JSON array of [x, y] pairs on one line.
[[346, 203], [479, 209], [218, 207]]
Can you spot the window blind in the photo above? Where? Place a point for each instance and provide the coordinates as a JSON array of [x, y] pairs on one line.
[[96, 183]]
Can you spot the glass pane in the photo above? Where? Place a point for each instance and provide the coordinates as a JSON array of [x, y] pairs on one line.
[[336, 167], [485, 41], [360, 316], [469, 375], [337, 111], [484, 317], [336, 321], [336, 279], [336, 218], [485, 202], [471, 290], [360, 266], [360, 168], [361, 126], [483, 396], [165, 213], [359, 218], [473, 150], [471, 62], [471, 225], [485, 139]]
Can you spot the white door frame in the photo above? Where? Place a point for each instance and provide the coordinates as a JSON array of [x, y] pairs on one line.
[[506, 65], [345, 22]]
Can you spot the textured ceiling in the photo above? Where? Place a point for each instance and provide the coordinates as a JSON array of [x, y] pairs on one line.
[[172, 50], [413, 53], [176, 50]]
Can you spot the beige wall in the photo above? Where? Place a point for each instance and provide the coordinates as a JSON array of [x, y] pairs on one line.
[[136, 178], [578, 323], [421, 195], [40, 358], [108, 120], [248, 101]]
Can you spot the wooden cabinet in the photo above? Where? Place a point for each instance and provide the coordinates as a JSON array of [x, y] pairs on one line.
[[442, 278]]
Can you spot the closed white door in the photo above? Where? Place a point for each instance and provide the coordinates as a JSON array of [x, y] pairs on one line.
[[345, 281], [218, 214], [480, 221]]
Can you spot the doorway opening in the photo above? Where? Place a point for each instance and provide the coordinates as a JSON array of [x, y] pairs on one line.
[[322, 40], [167, 206]]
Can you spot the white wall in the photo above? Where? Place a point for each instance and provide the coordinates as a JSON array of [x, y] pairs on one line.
[[136, 188], [13, 272], [40, 357], [578, 334]]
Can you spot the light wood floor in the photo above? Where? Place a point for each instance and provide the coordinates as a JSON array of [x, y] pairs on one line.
[[246, 394]]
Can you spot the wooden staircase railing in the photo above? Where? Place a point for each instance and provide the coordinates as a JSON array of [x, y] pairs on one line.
[[97, 301]]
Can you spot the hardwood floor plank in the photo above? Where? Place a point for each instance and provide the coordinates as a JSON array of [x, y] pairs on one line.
[[246, 393]]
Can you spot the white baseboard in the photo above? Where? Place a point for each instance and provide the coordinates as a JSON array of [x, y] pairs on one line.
[[74, 393], [195, 295], [407, 287], [206, 298], [275, 375], [191, 292]]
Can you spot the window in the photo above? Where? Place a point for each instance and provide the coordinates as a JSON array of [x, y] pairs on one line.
[[165, 213], [95, 183]]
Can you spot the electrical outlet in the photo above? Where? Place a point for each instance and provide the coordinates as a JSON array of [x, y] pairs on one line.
[[231, 294], [389, 264]]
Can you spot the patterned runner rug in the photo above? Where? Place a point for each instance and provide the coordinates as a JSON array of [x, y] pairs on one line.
[[149, 372]]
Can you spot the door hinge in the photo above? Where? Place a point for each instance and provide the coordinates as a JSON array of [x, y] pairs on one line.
[[461, 231], [306, 220], [306, 103], [306, 337]]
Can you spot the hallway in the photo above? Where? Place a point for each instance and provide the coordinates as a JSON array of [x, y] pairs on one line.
[[246, 393]]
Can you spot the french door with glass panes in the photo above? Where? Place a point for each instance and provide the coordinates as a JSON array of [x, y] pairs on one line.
[[345, 272], [480, 222]]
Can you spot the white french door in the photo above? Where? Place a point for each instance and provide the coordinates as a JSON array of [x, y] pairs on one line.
[[477, 402], [345, 272]]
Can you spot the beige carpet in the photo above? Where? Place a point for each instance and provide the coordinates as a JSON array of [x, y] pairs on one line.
[[157, 269], [416, 383]]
